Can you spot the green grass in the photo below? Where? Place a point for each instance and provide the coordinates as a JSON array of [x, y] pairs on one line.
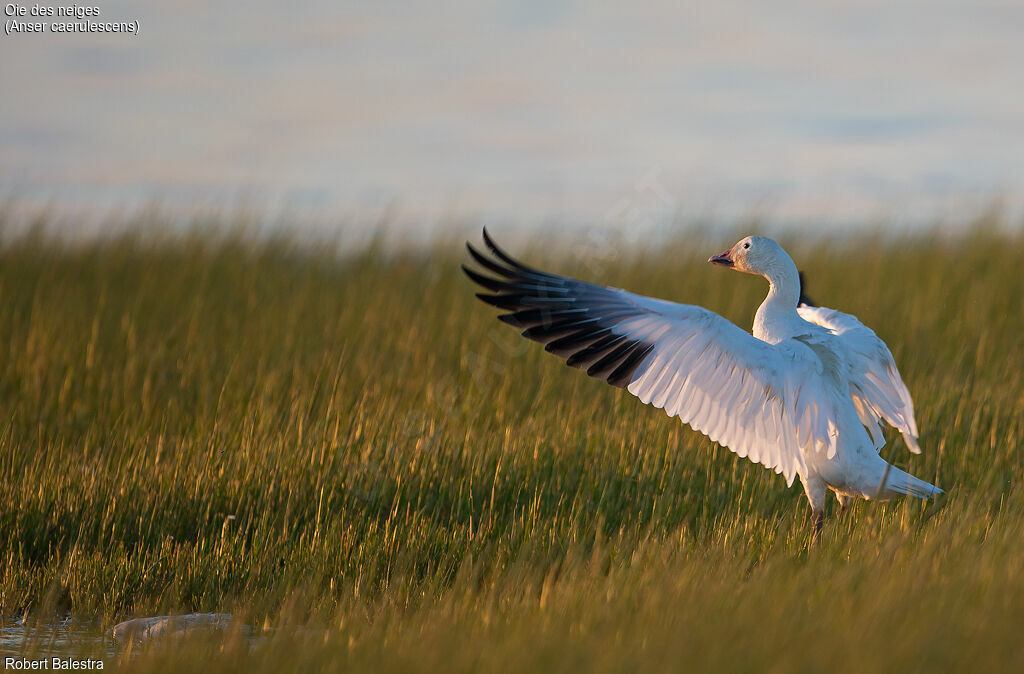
[[354, 455]]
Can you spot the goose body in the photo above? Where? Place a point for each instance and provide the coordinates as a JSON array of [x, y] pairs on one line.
[[804, 395]]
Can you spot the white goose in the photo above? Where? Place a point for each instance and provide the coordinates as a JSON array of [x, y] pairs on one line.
[[803, 395]]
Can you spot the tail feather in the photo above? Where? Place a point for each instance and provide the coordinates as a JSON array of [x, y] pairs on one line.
[[896, 481]]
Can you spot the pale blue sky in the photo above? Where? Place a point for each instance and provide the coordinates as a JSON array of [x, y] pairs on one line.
[[522, 112]]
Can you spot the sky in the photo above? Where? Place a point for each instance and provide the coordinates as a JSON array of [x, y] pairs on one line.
[[622, 115]]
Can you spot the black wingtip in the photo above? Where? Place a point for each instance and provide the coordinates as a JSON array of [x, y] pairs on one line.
[[486, 281], [804, 300], [505, 257], [502, 255], [511, 319], [623, 374], [557, 312], [489, 264], [493, 300]]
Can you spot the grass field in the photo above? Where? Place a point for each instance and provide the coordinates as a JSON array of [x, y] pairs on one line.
[[353, 457]]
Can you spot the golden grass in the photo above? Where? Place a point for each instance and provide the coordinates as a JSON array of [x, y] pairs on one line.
[[353, 453]]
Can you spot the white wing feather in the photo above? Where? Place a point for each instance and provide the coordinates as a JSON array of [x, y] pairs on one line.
[[877, 390], [766, 402]]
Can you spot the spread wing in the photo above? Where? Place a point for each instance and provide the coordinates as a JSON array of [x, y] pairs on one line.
[[765, 402], [876, 387]]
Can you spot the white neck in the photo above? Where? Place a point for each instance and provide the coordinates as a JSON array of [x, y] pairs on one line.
[[775, 317]]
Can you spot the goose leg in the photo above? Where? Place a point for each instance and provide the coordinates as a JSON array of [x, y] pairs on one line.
[[844, 503], [819, 524], [815, 489]]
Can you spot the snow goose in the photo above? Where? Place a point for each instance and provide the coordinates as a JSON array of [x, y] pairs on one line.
[[803, 395]]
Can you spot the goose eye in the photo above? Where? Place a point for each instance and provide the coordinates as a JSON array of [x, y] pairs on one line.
[[746, 245]]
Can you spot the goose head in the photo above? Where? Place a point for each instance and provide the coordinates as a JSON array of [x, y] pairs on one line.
[[753, 255]]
